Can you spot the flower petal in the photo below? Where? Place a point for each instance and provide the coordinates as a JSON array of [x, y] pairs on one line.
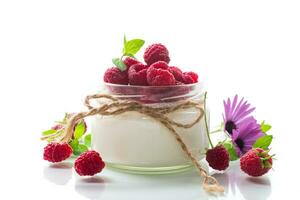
[[235, 134], [241, 110]]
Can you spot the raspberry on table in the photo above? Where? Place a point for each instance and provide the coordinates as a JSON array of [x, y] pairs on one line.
[[116, 76], [256, 162], [156, 52], [89, 163], [158, 75], [57, 152], [218, 158], [137, 74]]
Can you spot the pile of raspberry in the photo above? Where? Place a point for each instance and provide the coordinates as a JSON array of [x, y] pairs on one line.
[[88, 163], [154, 72]]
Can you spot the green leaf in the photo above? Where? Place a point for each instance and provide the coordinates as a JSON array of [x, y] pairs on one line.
[[48, 132], [263, 142], [87, 140], [74, 143], [81, 148], [77, 147], [130, 55], [133, 46], [265, 127], [79, 130], [231, 150], [119, 63]]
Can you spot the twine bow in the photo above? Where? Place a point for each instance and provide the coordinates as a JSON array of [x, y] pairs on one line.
[[116, 106]]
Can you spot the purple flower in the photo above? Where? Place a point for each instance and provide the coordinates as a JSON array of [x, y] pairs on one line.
[[245, 136], [236, 113]]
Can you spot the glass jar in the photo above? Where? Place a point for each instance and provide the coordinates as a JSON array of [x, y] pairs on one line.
[[138, 143]]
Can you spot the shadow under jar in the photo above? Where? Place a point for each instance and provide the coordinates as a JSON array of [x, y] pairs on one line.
[[137, 143]]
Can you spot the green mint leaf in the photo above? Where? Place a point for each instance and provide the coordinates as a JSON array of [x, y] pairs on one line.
[[83, 148], [79, 130], [231, 150], [87, 140], [133, 46], [48, 132], [263, 142], [77, 147], [130, 55], [80, 148], [119, 63], [74, 143], [265, 127]]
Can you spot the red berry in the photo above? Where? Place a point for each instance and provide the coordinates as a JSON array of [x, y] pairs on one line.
[[158, 75], [89, 163], [190, 77], [57, 152], [193, 75], [156, 52], [256, 162], [137, 74], [116, 76], [177, 73], [129, 61], [218, 158], [160, 65]]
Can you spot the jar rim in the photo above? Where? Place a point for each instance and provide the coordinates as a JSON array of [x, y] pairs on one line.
[[152, 87], [154, 94]]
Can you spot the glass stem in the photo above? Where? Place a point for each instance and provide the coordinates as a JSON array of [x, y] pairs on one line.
[[205, 120]]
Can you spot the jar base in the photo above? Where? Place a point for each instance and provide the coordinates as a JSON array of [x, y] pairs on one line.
[[149, 170]]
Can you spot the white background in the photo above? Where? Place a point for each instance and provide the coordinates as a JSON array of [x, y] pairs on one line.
[[53, 53]]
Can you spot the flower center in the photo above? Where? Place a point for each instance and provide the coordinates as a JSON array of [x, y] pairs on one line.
[[239, 142], [229, 126]]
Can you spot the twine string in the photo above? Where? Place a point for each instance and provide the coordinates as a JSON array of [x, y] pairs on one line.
[[116, 106]]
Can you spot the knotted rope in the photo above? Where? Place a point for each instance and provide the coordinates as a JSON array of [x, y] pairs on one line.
[[116, 106]]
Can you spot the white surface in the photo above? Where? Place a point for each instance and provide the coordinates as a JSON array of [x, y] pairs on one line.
[[53, 53]]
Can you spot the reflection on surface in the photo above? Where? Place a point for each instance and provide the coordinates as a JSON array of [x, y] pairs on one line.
[[58, 173], [185, 185], [149, 187], [234, 180], [90, 187], [260, 188]]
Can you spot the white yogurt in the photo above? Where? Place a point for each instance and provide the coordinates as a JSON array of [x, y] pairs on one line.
[[134, 139]]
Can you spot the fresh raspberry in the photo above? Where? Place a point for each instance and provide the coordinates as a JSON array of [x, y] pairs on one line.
[[129, 61], [156, 52], [218, 158], [160, 65], [177, 73], [57, 152], [158, 75], [89, 163], [256, 162], [116, 76], [137, 74], [190, 77]]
